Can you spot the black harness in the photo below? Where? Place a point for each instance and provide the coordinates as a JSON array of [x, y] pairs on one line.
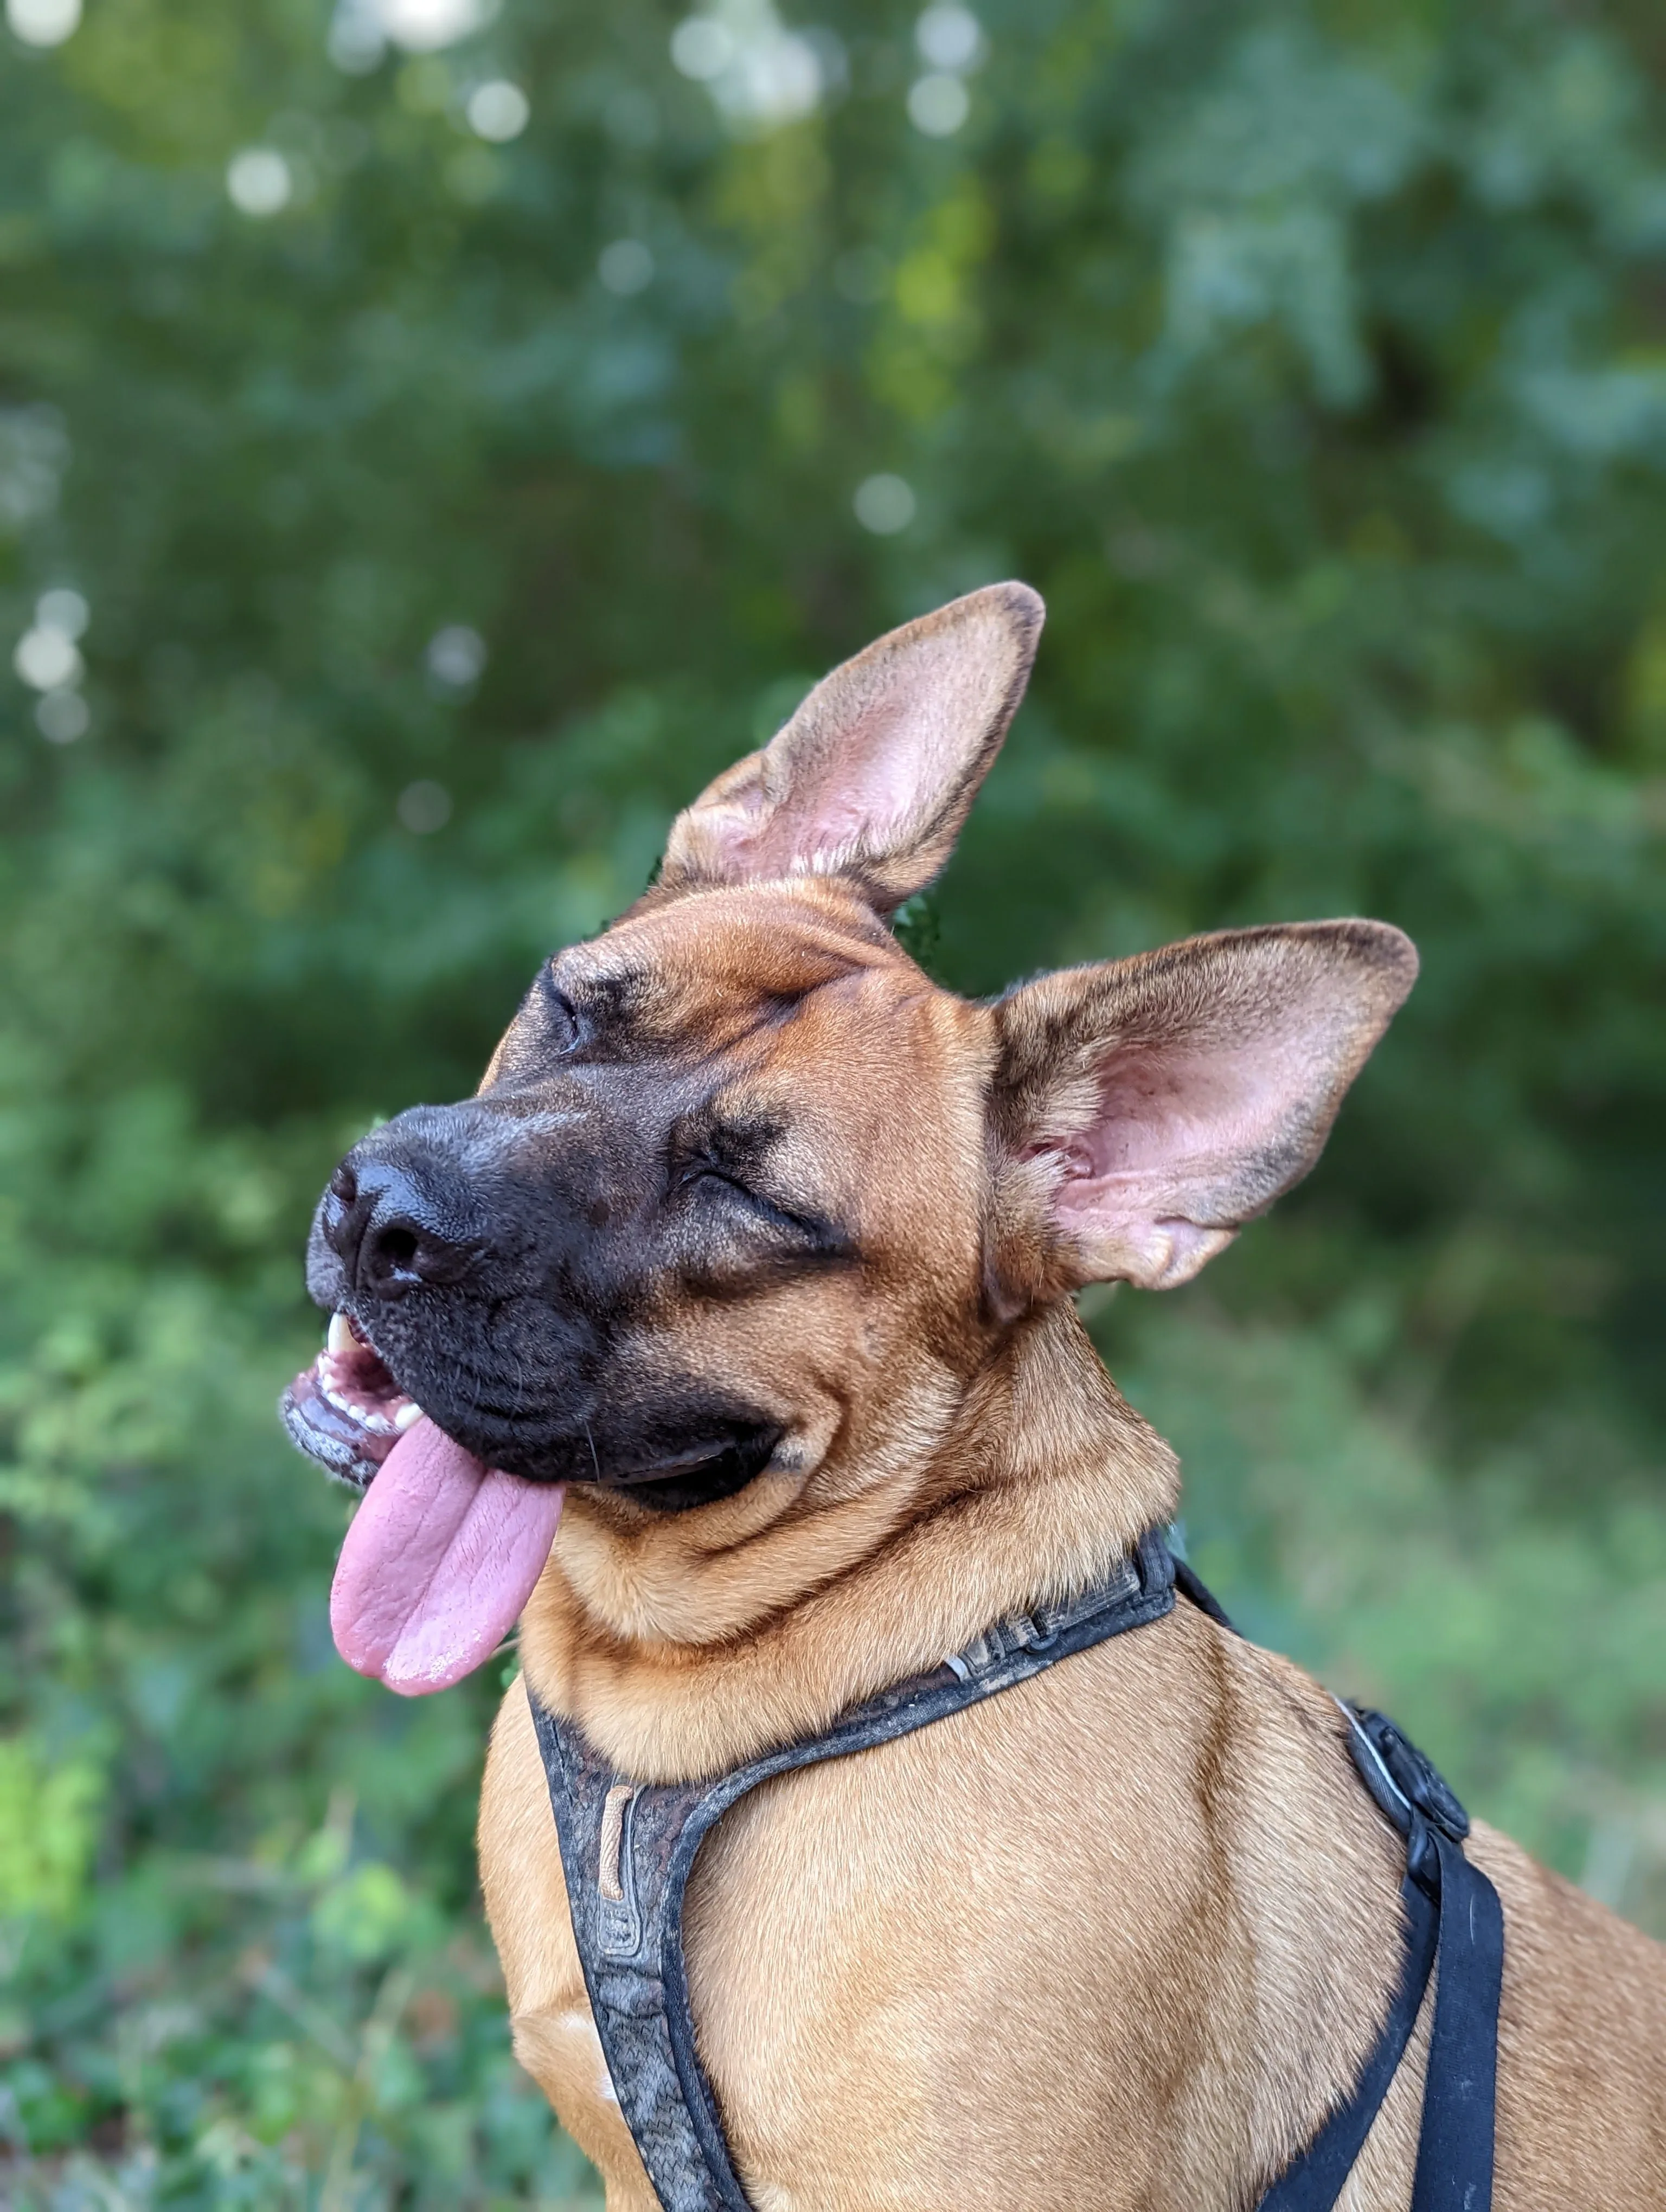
[[628, 1848]]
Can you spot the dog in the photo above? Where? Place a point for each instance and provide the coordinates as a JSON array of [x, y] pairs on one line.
[[759, 1250]]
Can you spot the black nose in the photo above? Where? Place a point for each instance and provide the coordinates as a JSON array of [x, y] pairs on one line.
[[393, 1229]]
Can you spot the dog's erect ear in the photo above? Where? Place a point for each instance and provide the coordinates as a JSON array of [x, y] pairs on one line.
[[874, 776], [1145, 1110]]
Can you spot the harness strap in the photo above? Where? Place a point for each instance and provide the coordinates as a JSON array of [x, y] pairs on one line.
[[1454, 2151], [1452, 1918], [1315, 2182], [627, 1850]]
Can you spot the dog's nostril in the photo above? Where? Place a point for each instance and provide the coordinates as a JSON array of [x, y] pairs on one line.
[[398, 1245], [399, 1253], [393, 1230]]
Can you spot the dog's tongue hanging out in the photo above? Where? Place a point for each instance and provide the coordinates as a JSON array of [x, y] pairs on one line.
[[439, 1559]]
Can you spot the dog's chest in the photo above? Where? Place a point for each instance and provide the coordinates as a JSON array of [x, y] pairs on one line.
[[923, 1972], [1039, 1952]]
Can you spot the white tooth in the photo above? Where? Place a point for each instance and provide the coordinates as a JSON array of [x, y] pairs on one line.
[[407, 1417], [359, 1413], [340, 1337]]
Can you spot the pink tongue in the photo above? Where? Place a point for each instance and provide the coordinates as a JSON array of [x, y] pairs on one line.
[[438, 1562]]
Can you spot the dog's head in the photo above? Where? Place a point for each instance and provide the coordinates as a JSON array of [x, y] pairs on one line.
[[746, 1203]]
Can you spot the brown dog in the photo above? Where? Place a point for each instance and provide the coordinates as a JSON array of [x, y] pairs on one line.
[[765, 1246]]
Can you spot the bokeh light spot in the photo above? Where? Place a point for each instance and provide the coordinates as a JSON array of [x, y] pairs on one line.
[[950, 38], [760, 74], [455, 656], [356, 42], [884, 504], [498, 110], [625, 266], [62, 716], [423, 27], [259, 181], [45, 659], [43, 22], [423, 807], [938, 104], [702, 47], [63, 609]]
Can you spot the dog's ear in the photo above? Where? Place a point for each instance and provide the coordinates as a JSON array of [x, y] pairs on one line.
[[1143, 1110], [872, 776]]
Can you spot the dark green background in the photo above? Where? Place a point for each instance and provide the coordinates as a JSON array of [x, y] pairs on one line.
[[1311, 360]]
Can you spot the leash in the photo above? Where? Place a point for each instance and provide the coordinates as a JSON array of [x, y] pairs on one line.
[[627, 1850]]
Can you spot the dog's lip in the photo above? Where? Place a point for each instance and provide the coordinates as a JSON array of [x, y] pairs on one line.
[[689, 1460], [346, 1410], [700, 1474]]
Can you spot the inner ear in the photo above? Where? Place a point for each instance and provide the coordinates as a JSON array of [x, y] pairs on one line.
[[1199, 1108], [1156, 1105], [874, 776]]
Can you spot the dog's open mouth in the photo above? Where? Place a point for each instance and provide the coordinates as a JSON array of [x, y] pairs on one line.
[[345, 1410], [444, 1551]]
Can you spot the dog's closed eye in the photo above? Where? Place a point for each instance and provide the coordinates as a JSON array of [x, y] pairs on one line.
[[728, 1163], [704, 1171], [563, 1026], [699, 1170]]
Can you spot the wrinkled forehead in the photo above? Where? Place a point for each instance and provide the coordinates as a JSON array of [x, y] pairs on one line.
[[699, 975], [717, 962]]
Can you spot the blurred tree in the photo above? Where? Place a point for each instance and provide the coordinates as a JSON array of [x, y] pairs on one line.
[[433, 443]]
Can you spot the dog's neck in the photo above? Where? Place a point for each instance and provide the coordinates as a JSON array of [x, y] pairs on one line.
[[1040, 1478]]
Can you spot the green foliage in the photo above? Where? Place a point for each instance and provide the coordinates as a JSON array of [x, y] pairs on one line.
[[1309, 359]]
